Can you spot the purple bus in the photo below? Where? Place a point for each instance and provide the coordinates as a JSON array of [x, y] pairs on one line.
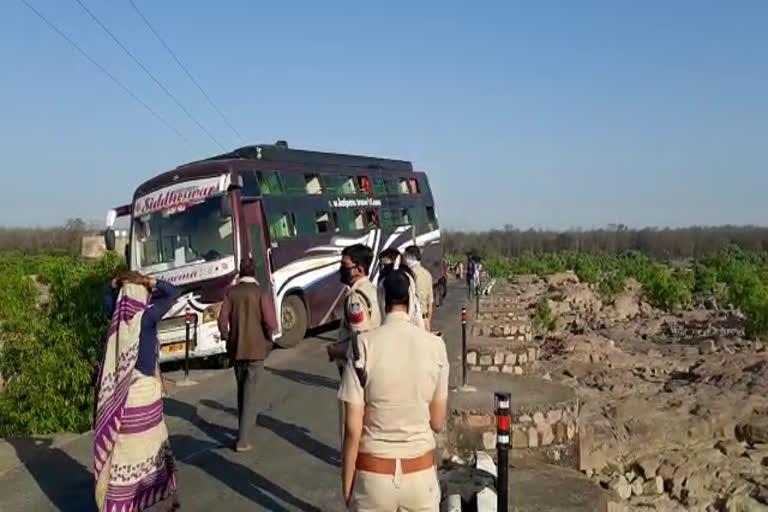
[[292, 211]]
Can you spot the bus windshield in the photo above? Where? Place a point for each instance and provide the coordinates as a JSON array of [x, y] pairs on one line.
[[183, 236]]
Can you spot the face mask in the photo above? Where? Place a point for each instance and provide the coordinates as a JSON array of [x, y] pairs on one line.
[[346, 275], [411, 263]]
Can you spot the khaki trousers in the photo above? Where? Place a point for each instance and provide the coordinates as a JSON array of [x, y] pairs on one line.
[[414, 492]]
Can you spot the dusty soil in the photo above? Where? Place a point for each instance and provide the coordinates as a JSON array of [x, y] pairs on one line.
[[674, 406]]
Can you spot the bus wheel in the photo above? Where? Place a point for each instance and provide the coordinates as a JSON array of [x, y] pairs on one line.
[[294, 321]]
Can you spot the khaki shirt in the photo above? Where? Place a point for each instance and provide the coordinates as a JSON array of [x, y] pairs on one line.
[[414, 306], [361, 310], [407, 368], [424, 287]]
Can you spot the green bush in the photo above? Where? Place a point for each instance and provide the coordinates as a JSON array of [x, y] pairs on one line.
[[545, 319], [732, 274], [50, 352]]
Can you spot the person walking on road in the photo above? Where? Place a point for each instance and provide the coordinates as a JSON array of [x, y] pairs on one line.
[[133, 465], [247, 322], [470, 275], [389, 260], [361, 307], [424, 287], [395, 398]]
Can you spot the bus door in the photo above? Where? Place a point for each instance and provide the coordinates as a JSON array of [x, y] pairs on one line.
[[258, 248]]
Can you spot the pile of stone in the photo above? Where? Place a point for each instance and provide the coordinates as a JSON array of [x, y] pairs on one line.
[[490, 355]]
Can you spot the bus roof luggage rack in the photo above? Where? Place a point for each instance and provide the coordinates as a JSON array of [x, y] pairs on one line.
[[280, 152]]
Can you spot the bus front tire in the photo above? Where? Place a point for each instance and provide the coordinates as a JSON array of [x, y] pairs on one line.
[[294, 321]]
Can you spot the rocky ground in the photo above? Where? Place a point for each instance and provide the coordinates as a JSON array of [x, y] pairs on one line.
[[674, 405]]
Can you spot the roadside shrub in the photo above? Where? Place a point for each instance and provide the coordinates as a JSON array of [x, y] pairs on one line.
[[49, 352], [545, 319]]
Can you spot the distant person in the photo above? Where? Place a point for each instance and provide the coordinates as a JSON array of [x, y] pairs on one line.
[[390, 260], [424, 286], [361, 306], [133, 465], [470, 274], [247, 322], [395, 397], [460, 271]]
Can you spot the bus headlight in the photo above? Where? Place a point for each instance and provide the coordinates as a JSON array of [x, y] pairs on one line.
[[211, 314]]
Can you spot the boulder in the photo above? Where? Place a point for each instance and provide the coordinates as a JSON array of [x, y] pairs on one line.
[[621, 487], [754, 430]]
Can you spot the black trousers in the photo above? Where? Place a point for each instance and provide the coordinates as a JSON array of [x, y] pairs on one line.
[[247, 374]]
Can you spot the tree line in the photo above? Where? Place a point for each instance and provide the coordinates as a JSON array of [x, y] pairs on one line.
[[61, 239], [661, 243]]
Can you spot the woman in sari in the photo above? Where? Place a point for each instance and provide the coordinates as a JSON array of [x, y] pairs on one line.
[[132, 460]]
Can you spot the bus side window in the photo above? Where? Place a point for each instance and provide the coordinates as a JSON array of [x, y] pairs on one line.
[[305, 223], [269, 183], [294, 183], [312, 184], [378, 186], [404, 217], [365, 185], [413, 186], [342, 185], [372, 217], [403, 187], [322, 222], [431, 218], [282, 225]]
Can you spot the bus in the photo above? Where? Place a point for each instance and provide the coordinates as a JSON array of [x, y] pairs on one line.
[[292, 211]]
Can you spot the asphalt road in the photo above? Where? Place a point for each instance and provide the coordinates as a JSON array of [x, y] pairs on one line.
[[295, 463]]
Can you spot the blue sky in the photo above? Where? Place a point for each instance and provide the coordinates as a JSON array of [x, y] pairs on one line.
[[536, 114]]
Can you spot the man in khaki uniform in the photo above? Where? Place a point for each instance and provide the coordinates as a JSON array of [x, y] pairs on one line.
[[361, 307], [395, 397], [389, 260], [424, 288]]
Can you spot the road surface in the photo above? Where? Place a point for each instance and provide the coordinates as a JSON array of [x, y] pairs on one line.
[[294, 465]]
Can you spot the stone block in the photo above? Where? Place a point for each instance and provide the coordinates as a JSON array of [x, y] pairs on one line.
[[547, 436], [571, 430], [479, 420], [522, 358], [486, 360], [525, 419], [621, 487], [519, 439], [653, 487], [489, 440], [517, 370], [476, 369], [531, 354], [538, 418], [533, 437], [554, 416], [511, 359], [493, 369], [637, 486], [498, 358], [561, 433], [507, 369], [472, 358]]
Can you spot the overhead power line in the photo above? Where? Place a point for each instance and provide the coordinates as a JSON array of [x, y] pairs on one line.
[[184, 68], [104, 70], [149, 73]]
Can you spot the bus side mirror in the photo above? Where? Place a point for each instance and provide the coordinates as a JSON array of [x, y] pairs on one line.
[[225, 206], [109, 239]]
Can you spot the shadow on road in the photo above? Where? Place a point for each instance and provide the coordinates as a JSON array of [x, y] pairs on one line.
[[294, 434], [237, 477], [309, 379], [298, 436], [67, 483], [244, 481]]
